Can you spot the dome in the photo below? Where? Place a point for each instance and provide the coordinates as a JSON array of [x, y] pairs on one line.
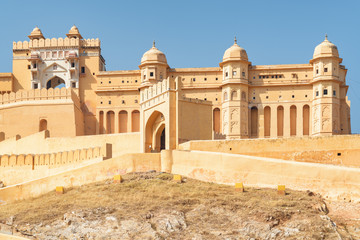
[[74, 33], [235, 52], [326, 49], [74, 30], [154, 55], [36, 33]]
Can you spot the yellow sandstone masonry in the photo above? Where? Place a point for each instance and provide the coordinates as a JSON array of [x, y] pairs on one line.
[[166, 105]]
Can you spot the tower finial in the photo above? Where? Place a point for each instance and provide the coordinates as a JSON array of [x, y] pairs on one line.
[[235, 41], [326, 36], [154, 43]]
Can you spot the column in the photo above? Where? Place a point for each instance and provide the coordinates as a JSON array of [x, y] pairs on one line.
[[273, 122], [129, 117], [116, 121], [299, 120], [261, 129]]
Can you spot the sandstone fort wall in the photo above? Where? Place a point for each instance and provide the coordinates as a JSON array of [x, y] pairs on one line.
[[339, 150]]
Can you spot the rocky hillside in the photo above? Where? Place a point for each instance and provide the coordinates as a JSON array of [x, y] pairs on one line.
[[152, 206]]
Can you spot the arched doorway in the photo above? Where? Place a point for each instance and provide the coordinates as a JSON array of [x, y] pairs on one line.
[[135, 121], [123, 121], [293, 120], [42, 125], [254, 122], [216, 120], [101, 122], [267, 121], [55, 82], [159, 138], [306, 120], [162, 140], [110, 122], [280, 121], [155, 139]]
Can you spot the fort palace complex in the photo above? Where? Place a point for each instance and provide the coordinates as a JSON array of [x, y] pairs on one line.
[[169, 106], [66, 121]]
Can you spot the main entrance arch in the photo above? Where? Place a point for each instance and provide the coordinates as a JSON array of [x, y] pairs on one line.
[[155, 133], [55, 82]]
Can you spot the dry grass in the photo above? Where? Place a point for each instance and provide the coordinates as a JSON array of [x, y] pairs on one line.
[[143, 193]]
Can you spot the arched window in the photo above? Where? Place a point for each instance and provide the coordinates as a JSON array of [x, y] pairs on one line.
[[254, 122], [293, 120], [43, 125], [243, 95], [267, 121], [233, 95], [225, 96], [306, 120]]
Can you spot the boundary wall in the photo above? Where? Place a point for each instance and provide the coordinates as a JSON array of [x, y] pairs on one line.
[[20, 168], [137, 162], [333, 182], [338, 150], [42, 143]]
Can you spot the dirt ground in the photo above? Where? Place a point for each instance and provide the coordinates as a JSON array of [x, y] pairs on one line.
[[153, 206]]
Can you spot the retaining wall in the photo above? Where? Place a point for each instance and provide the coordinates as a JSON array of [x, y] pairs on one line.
[[339, 150]]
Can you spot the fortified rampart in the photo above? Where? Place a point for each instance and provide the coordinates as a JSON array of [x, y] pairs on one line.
[[121, 143], [56, 42], [338, 150], [43, 108], [21, 168], [333, 182], [39, 94]]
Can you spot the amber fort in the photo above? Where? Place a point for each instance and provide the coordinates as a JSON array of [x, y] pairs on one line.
[[65, 120]]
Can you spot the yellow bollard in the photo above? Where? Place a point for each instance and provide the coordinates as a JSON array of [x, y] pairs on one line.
[[177, 178], [59, 190], [281, 189], [239, 187], [117, 179]]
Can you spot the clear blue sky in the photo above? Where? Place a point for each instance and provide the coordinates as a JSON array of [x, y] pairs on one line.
[[196, 33]]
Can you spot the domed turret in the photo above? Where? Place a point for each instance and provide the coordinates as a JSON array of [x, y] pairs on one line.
[[36, 34], [235, 89], [153, 66], [74, 33], [326, 49], [235, 53], [154, 55]]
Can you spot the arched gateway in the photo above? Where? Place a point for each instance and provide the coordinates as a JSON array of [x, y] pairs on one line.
[[155, 132]]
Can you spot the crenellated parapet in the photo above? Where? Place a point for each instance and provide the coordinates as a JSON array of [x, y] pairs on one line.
[[157, 89], [56, 43], [39, 94], [53, 159]]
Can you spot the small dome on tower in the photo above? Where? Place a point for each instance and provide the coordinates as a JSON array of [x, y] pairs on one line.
[[235, 52], [74, 33], [154, 55], [326, 49], [36, 34], [74, 30]]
